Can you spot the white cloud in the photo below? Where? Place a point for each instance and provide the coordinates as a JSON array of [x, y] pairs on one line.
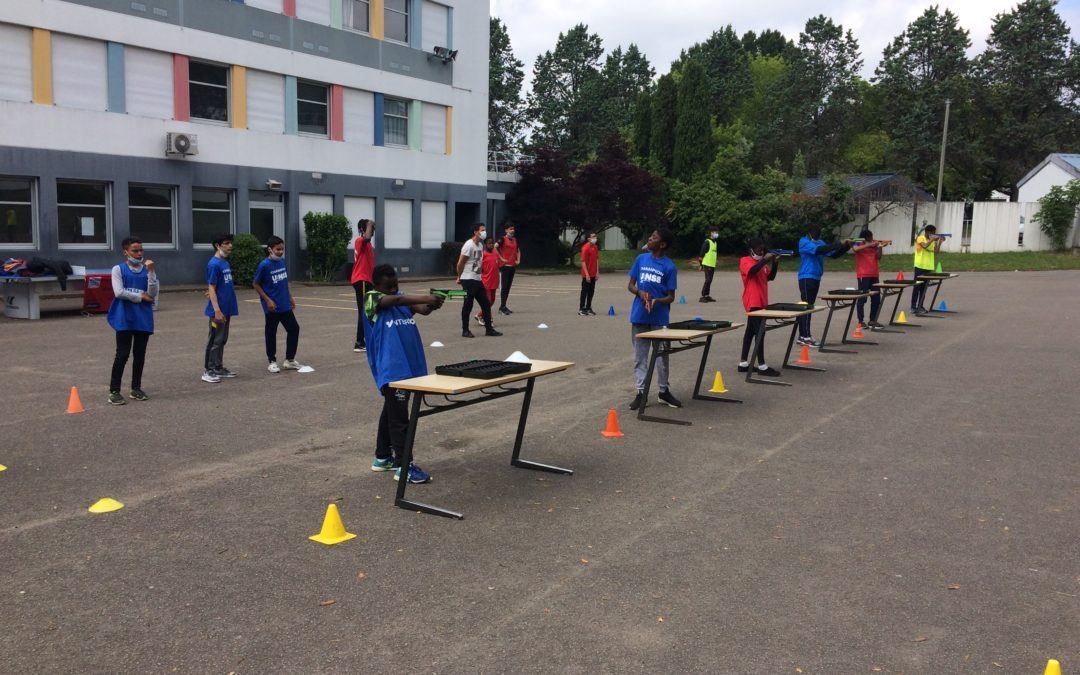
[[661, 33]]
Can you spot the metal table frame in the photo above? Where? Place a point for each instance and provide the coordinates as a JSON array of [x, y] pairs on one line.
[[936, 280], [836, 302], [888, 289], [782, 319]]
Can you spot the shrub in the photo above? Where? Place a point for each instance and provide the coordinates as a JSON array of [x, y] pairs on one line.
[[328, 242], [246, 255], [451, 251], [1057, 211]]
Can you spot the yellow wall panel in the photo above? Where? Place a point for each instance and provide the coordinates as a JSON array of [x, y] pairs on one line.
[[378, 19], [41, 55], [239, 97]]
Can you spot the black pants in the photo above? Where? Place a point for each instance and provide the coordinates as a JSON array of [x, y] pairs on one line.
[[707, 287], [393, 424], [588, 287], [215, 343], [918, 291], [867, 284], [507, 281], [752, 325], [292, 334], [128, 342], [474, 290], [361, 288], [808, 289]]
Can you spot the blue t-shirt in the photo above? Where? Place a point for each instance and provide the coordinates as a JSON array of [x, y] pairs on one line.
[[219, 274], [394, 348], [812, 253], [658, 277], [127, 315], [274, 279]]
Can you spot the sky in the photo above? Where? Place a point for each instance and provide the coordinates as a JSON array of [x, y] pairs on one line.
[[534, 25]]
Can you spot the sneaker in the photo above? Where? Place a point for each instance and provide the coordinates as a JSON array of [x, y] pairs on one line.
[[416, 474], [668, 399], [875, 324], [274, 367], [769, 372], [638, 400], [387, 464], [480, 319], [138, 395], [589, 310], [491, 332], [224, 373], [505, 310], [116, 399], [358, 347], [582, 312], [744, 369], [291, 364], [467, 333], [920, 311], [806, 341], [210, 376]]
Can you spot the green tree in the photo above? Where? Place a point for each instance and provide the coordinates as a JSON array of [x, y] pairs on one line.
[[246, 255], [727, 66], [505, 107], [642, 126], [663, 117], [693, 150], [624, 77], [768, 43], [327, 242], [615, 192], [1057, 212], [562, 103], [1030, 80]]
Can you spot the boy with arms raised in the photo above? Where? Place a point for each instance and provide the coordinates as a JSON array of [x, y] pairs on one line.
[[653, 279]]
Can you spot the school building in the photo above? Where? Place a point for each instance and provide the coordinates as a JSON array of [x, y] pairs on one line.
[[176, 120]]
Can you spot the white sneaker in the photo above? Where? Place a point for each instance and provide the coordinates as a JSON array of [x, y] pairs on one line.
[[290, 364], [274, 367], [210, 377]]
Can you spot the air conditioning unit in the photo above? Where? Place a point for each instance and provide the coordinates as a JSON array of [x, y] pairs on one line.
[[177, 144]]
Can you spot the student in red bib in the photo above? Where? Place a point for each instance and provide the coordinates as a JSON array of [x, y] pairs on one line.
[[867, 254], [757, 270], [489, 276], [364, 248], [509, 259], [590, 270]]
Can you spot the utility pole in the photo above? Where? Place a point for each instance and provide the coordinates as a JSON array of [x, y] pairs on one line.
[[941, 166]]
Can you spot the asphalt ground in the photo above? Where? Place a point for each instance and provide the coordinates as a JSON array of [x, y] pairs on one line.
[[914, 509]]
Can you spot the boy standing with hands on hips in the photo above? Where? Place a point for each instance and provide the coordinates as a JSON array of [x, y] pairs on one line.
[[653, 279]]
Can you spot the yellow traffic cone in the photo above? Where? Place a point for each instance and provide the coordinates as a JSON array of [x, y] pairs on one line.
[[333, 530], [3, 468], [105, 505], [718, 384], [1052, 667], [901, 318]]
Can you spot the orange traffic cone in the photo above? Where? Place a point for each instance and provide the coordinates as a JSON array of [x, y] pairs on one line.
[[858, 334], [900, 275], [74, 404], [804, 355], [612, 430]]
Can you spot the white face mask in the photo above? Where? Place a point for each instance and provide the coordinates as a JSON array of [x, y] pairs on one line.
[[755, 256], [483, 234], [714, 235], [135, 261], [277, 258], [592, 240]]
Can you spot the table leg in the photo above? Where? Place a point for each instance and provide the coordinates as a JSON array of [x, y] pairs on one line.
[[833, 306], [406, 459], [895, 309], [931, 307], [753, 357], [787, 354], [701, 373], [847, 331], [515, 458]]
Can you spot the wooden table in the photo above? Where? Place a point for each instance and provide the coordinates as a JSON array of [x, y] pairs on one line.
[[447, 386], [783, 318], [22, 295], [936, 280], [889, 288], [840, 301], [687, 339]]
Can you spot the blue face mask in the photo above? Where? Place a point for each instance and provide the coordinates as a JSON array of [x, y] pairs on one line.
[[134, 261]]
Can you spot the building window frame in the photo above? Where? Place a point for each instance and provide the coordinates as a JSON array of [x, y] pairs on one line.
[[106, 207], [193, 84], [388, 11], [231, 210], [345, 13], [387, 116], [31, 245], [325, 103], [171, 208]]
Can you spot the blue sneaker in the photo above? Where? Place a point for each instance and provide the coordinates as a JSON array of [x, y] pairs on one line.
[[416, 474], [383, 464]]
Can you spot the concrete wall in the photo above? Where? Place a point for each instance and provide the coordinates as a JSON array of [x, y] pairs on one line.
[[1039, 184]]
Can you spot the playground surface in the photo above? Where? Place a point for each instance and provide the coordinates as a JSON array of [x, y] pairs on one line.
[[914, 509]]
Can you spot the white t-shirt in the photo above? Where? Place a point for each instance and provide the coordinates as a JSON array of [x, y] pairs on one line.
[[475, 257]]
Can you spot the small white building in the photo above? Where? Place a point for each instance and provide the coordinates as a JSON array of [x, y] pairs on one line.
[[1057, 169]]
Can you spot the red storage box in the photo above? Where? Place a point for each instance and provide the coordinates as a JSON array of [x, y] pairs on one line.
[[97, 293]]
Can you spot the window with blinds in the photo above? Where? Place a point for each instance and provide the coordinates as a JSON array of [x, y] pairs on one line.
[[148, 83], [359, 110], [398, 229], [16, 83], [356, 14], [433, 22], [79, 73], [265, 102], [395, 122], [432, 224], [315, 11], [433, 128]]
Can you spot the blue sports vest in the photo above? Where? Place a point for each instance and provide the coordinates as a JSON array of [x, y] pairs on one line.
[[394, 348], [128, 315]]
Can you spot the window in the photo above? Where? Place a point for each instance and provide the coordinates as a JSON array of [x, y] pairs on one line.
[[397, 232], [17, 211], [434, 22], [15, 76], [150, 214], [433, 128], [396, 122], [432, 224], [359, 111], [148, 83], [79, 73], [312, 108], [356, 14], [396, 13], [208, 87], [211, 215], [82, 214], [265, 102]]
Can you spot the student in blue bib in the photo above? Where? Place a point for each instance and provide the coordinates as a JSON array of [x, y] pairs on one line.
[[812, 253], [394, 352], [653, 279], [221, 307], [272, 284], [131, 314]]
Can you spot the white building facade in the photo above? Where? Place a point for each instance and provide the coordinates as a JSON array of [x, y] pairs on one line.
[[177, 120]]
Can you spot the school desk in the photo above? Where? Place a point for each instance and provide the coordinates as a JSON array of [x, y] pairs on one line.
[[935, 280], [889, 288], [840, 301], [662, 339], [782, 318], [445, 386]]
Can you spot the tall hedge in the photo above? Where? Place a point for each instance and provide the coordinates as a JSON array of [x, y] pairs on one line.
[[327, 242]]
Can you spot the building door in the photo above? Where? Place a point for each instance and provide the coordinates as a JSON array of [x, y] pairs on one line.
[[266, 218]]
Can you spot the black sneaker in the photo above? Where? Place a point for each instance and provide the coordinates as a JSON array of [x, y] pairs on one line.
[[743, 369], [505, 310], [115, 398], [491, 332], [224, 373], [467, 333], [590, 312], [769, 372], [358, 347], [668, 399], [582, 312], [137, 394], [638, 400], [875, 324]]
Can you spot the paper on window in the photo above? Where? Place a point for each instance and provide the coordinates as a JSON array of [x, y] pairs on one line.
[[86, 224]]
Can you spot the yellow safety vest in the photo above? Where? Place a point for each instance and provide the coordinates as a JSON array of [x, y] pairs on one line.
[[709, 259], [924, 257]]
